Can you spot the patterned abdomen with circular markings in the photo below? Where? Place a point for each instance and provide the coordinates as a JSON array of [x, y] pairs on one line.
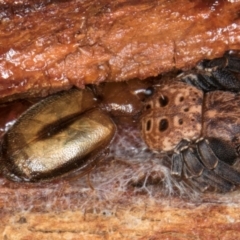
[[172, 113]]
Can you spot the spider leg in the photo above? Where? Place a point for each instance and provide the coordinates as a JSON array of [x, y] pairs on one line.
[[186, 173], [176, 164], [213, 162], [227, 80], [204, 177], [186, 163], [208, 157], [199, 164], [214, 180], [207, 180], [234, 64], [216, 74], [229, 61], [210, 179], [224, 150], [204, 82], [192, 162], [206, 164], [227, 172], [200, 183]]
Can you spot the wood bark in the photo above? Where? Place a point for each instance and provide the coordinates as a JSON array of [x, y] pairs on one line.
[[50, 45]]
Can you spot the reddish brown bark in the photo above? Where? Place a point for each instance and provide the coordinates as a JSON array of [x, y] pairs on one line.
[[46, 46]]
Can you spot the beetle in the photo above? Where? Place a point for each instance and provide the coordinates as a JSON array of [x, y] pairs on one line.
[[67, 131], [71, 131]]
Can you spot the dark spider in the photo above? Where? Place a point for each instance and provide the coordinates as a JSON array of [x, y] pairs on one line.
[[196, 119]]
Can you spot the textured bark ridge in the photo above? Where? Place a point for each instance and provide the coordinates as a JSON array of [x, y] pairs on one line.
[[49, 45]]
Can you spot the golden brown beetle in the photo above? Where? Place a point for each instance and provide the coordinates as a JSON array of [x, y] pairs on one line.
[[67, 131]]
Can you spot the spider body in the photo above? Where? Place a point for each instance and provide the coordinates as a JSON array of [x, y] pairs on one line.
[[197, 121]]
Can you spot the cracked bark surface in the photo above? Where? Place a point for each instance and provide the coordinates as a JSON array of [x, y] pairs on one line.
[[49, 45]]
